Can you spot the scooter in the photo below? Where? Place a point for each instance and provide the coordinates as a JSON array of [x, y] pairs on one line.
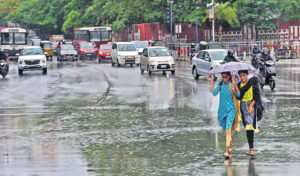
[[267, 74], [4, 68]]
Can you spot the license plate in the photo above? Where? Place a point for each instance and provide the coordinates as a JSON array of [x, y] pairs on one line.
[[89, 54], [163, 66], [130, 59]]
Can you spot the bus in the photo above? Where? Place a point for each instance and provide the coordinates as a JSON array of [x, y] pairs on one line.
[[13, 40], [97, 35]]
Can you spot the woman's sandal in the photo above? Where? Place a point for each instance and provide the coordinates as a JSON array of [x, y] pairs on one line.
[[251, 153], [227, 156]]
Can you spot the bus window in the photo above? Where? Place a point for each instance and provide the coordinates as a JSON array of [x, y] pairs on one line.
[[20, 39], [106, 35], [7, 38], [95, 36]]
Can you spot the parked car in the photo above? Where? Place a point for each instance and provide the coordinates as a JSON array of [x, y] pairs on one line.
[[205, 60], [32, 58], [124, 53], [87, 50], [155, 59], [47, 47], [104, 52], [67, 52], [141, 45]]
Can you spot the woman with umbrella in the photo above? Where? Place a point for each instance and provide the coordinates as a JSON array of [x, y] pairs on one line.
[[251, 105], [227, 110], [227, 106]]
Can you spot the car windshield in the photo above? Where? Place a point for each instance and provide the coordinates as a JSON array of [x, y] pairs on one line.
[[105, 47], [218, 55], [32, 51], [67, 47], [86, 45], [127, 47], [47, 45], [143, 44], [157, 52]]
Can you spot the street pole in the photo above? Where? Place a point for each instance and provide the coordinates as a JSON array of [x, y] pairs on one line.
[[212, 5], [197, 29], [171, 23]]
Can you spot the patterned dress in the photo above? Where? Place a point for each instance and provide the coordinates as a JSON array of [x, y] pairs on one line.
[[226, 110]]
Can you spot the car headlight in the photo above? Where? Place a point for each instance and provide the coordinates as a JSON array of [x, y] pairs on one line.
[[20, 61], [152, 62]]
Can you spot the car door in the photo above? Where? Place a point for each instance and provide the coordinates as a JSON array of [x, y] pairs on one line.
[[198, 61], [145, 58], [206, 62]]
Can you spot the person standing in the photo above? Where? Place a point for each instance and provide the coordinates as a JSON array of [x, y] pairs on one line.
[[226, 111], [248, 92]]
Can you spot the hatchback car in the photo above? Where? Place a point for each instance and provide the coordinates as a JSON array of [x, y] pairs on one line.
[[32, 58], [104, 52], [205, 60], [124, 53], [155, 59], [67, 52], [87, 50]]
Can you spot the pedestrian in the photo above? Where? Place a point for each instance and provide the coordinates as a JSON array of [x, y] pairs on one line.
[[58, 45], [251, 105], [226, 111]]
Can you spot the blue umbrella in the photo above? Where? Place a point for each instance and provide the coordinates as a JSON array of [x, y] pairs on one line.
[[233, 68]]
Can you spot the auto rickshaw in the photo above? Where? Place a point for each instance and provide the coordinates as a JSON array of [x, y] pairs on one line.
[[47, 47]]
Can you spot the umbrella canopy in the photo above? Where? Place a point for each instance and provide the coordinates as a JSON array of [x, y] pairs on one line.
[[233, 68]]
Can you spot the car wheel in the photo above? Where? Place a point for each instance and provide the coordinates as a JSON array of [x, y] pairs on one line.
[[44, 71], [131, 65], [173, 72], [149, 71], [195, 74], [20, 72]]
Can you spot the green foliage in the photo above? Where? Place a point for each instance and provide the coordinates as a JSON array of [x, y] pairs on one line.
[[64, 15]]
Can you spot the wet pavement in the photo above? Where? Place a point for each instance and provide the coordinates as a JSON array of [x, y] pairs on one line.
[[87, 118]]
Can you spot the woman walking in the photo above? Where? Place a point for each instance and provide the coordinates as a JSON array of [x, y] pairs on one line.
[[226, 111], [248, 92]]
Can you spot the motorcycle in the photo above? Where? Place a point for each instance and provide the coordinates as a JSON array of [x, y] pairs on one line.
[[267, 74], [4, 68], [255, 59], [284, 53]]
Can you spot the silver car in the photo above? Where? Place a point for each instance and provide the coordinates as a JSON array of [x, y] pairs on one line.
[[205, 60]]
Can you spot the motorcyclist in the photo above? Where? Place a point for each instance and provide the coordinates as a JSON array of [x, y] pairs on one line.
[[3, 55], [230, 57], [265, 56], [255, 52]]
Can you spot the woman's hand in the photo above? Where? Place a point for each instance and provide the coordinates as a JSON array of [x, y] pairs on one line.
[[250, 110], [210, 79], [233, 79]]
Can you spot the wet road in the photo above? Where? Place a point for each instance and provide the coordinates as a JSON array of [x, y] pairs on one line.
[[91, 119]]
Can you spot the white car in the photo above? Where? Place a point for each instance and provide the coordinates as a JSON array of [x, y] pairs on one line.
[[141, 45], [155, 59], [205, 60], [32, 58], [124, 53], [67, 52]]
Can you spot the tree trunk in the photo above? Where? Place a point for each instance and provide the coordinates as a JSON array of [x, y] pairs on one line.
[[220, 33]]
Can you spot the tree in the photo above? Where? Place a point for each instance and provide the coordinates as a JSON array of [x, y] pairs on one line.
[[225, 13]]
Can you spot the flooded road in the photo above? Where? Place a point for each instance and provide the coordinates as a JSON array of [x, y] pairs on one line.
[[91, 119]]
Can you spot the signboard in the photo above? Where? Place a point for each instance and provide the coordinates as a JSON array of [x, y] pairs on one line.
[[211, 13], [178, 29]]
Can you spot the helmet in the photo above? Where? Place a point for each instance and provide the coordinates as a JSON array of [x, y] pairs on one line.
[[230, 52], [265, 50]]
